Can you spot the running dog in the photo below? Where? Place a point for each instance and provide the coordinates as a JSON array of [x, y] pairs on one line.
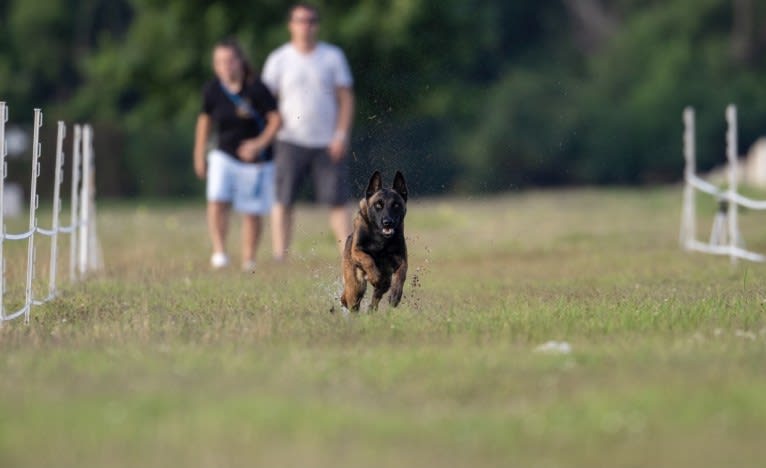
[[376, 250]]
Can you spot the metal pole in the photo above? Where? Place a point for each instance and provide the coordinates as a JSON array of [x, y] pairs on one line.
[[75, 202], [731, 155], [3, 172], [688, 214], [94, 252], [56, 207], [84, 200], [33, 199]]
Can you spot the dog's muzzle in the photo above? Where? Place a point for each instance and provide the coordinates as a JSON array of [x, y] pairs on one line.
[[388, 227]]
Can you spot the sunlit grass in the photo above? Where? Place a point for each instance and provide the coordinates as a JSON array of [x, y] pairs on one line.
[[160, 362]]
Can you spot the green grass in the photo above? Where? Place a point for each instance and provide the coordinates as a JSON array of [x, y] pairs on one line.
[[160, 362]]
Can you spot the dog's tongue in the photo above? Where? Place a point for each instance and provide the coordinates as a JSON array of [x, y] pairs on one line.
[[388, 231]]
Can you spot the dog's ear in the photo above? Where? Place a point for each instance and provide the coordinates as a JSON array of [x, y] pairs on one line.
[[363, 208], [400, 186], [375, 184]]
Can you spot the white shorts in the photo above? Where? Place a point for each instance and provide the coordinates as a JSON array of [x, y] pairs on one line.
[[248, 187]]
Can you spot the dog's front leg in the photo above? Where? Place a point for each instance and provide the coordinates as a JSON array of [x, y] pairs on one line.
[[367, 264], [353, 288], [397, 285], [383, 285]]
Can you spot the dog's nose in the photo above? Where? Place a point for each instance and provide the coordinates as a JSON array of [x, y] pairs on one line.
[[388, 222]]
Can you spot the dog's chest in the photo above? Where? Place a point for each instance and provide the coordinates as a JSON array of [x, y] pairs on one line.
[[388, 256]]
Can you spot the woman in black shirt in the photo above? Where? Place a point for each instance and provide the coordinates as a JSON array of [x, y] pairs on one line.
[[239, 170]]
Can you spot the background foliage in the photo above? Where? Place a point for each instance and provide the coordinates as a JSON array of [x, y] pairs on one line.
[[464, 96]]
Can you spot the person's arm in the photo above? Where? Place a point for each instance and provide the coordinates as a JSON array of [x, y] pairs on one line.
[[340, 140], [201, 133], [270, 74], [251, 148]]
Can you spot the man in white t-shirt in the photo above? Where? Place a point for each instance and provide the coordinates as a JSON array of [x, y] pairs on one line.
[[313, 86]]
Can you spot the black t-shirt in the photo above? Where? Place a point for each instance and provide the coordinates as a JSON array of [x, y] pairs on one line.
[[236, 123]]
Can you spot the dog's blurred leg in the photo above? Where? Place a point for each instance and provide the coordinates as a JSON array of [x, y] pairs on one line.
[[354, 286], [397, 285], [383, 285], [352, 296]]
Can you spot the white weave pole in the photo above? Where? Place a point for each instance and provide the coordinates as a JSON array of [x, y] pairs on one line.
[[60, 135], [83, 214], [75, 208], [33, 202], [731, 155], [3, 173], [688, 212], [725, 238], [84, 201], [95, 261], [90, 257]]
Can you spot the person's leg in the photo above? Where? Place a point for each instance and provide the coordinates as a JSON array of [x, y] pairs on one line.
[[291, 163], [219, 196], [331, 183], [340, 223], [254, 196], [281, 230], [251, 236], [218, 224]]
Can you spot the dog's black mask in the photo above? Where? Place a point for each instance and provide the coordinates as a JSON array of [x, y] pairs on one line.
[[386, 207]]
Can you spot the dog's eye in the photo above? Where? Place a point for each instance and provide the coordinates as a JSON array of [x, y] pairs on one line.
[[379, 206], [395, 205]]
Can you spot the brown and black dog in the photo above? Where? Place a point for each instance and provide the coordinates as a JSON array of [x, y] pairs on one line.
[[376, 250]]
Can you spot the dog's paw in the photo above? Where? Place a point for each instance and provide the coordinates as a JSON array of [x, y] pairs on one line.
[[395, 296]]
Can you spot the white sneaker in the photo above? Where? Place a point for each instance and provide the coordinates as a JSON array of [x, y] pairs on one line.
[[219, 260], [248, 266]]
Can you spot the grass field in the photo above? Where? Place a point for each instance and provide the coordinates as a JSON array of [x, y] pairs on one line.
[[159, 362]]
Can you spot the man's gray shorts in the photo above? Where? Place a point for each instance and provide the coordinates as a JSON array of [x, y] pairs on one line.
[[293, 163]]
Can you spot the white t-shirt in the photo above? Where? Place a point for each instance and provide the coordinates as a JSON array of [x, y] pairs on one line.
[[305, 86]]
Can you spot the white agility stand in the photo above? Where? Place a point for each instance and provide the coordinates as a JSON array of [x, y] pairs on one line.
[[78, 222], [90, 251], [725, 238]]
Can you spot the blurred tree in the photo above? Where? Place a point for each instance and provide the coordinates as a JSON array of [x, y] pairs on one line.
[[612, 114], [487, 95], [42, 47]]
